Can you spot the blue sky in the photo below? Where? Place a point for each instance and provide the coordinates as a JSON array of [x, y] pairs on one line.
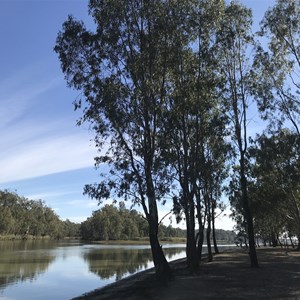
[[43, 154]]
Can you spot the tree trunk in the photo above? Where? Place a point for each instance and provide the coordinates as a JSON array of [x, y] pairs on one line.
[[200, 235], [278, 240], [200, 241], [191, 250], [207, 201], [291, 240], [208, 232], [161, 265], [298, 246], [162, 269], [274, 240], [214, 231], [248, 215]]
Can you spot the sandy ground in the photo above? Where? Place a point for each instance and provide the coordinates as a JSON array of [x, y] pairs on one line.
[[229, 276]]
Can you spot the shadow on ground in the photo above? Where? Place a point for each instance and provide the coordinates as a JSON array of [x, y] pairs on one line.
[[229, 276]]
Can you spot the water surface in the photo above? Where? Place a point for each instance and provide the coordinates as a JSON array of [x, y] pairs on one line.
[[65, 269]]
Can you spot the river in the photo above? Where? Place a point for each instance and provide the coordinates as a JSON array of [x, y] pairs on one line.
[[64, 269]]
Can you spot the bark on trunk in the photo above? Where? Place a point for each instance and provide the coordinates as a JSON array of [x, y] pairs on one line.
[[200, 241], [191, 250], [200, 235], [208, 231], [248, 215], [161, 265], [207, 201], [274, 240], [298, 246], [214, 231], [162, 269]]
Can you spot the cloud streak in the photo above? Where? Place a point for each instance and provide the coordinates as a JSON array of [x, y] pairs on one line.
[[36, 142], [19, 92], [45, 156]]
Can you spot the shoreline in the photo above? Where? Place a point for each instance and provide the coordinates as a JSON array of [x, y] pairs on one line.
[[228, 276], [121, 286]]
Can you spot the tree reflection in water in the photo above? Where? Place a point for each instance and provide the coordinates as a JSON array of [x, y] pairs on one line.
[[19, 263], [118, 262]]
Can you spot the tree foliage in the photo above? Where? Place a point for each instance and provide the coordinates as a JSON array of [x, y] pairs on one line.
[[24, 217], [235, 43], [113, 223], [278, 90], [121, 68], [276, 184]]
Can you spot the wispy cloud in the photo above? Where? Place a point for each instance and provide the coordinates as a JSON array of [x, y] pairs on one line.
[[49, 195], [19, 92], [45, 156], [35, 141]]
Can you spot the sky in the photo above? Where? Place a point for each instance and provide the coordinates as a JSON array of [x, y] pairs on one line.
[[43, 154]]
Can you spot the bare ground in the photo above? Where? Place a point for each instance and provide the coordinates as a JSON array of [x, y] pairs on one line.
[[229, 276]]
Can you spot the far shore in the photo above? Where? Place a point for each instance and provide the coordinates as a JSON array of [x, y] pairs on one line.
[[229, 276], [139, 241], [142, 241]]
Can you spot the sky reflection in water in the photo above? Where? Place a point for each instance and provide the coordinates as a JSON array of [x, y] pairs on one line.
[[62, 270]]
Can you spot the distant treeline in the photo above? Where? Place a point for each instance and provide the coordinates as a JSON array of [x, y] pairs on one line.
[[25, 218], [119, 223]]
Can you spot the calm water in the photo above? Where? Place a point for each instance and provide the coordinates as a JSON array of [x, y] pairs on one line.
[[65, 269]]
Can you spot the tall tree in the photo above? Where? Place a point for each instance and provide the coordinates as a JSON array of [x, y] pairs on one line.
[[278, 90], [121, 69], [192, 117], [235, 44]]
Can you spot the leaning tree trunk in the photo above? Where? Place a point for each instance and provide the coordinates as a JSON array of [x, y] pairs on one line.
[[162, 269], [161, 265]]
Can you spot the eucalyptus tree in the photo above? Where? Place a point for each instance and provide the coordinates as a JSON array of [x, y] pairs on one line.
[[277, 181], [278, 90], [268, 202], [182, 151], [121, 69], [235, 43], [193, 119]]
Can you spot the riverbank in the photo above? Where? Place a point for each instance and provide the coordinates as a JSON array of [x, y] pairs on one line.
[[140, 241], [229, 276]]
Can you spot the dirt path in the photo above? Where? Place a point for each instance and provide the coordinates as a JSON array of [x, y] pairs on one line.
[[229, 276]]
